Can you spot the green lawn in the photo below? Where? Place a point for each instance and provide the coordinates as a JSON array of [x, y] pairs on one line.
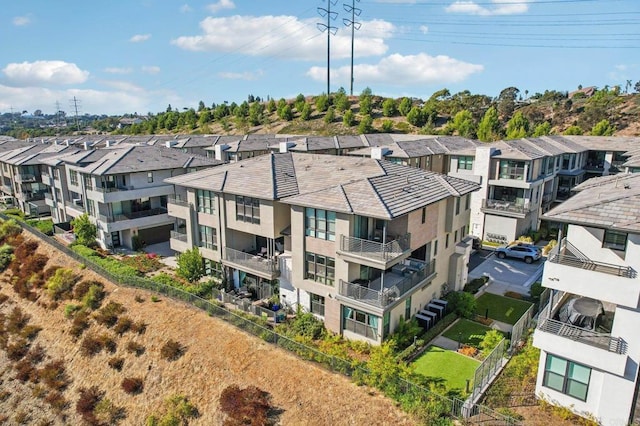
[[468, 332], [503, 309], [454, 368]]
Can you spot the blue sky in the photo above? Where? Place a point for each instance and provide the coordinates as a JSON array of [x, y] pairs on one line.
[[141, 55]]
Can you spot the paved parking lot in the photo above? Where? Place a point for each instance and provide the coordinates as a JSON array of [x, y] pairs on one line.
[[505, 274]]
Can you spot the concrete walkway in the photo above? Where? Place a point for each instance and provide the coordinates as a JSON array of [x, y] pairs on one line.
[[167, 255], [445, 343]]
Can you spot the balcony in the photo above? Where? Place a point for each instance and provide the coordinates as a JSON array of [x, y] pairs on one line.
[[567, 254], [178, 208], [547, 198], [177, 202], [179, 236], [373, 253], [133, 215], [252, 263], [122, 193], [179, 241], [25, 178], [380, 293], [46, 179], [7, 189], [74, 208], [518, 208]]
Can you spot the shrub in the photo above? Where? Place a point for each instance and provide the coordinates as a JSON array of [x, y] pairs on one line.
[[489, 342], [307, 325], [70, 310], [132, 385], [136, 243], [143, 263], [439, 327], [60, 285], [57, 401], [463, 304], [17, 349], [546, 249], [249, 406], [93, 298], [44, 226], [107, 412], [87, 402], [406, 332], [108, 315], [6, 256], [172, 350], [123, 325], [30, 332], [116, 363], [9, 228], [91, 345], [17, 320], [84, 230], [50, 272], [468, 351], [475, 285], [3, 298], [139, 327], [36, 354], [25, 371], [177, 411], [111, 264], [135, 347], [108, 343], [80, 324], [54, 375], [139, 298]]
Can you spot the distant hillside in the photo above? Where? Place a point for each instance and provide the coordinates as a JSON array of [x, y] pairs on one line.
[[511, 115]]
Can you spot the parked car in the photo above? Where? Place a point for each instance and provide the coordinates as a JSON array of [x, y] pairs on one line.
[[527, 252]]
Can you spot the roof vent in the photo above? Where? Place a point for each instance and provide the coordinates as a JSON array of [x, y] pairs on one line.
[[626, 186], [378, 152]]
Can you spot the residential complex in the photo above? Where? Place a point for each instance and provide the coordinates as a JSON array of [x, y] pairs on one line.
[[360, 242], [588, 331]]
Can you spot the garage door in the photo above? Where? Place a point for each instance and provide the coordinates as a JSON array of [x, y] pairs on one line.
[[159, 234]]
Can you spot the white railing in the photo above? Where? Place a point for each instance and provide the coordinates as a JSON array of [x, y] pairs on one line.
[[376, 250], [179, 236], [251, 261]]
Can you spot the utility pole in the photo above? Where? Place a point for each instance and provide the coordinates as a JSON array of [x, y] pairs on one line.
[[354, 26], [330, 30], [74, 104]]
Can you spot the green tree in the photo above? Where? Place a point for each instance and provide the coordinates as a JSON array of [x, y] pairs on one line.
[[518, 126], [349, 118], [462, 303], [330, 115], [464, 124], [573, 130], [366, 125], [507, 101], [300, 102], [366, 102], [489, 127], [387, 126], [190, 265], [256, 113], [84, 230], [205, 117], [490, 341], [416, 117], [286, 113], [305, 114], [389, 108], [405, 106], [322, 103], [542, 129], [271, 105], [201, 106], [603, 128]]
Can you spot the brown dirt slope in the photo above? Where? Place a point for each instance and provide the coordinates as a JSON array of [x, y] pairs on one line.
[[217, 355]]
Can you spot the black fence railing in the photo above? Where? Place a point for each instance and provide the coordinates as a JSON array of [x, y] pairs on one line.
[[474, 414]]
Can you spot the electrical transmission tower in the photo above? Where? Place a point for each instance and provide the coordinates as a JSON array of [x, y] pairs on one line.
[[326, 12], [74, 105], [354, 26]]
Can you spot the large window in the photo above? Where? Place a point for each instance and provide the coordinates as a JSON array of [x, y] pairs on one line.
[[206, 202], [458, 205], [88, 182], [360, 322], [465, 163], [317, 304], [320, 224], [510, 169], [321, 269], [567, 377], [212, 268], [247, 209], [615, 240], [208, 237]]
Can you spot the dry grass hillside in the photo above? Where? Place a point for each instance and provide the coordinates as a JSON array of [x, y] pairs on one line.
[[215, 355]]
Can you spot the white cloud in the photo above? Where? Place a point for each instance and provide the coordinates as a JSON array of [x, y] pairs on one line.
[[221, 5], [247, 75], [499, 7], [424, 29], [139, 38], [185, 8], [284, 37], [45, 72], [116, 70], [399, 70], [150, 69], [123, 86], [20, 21]]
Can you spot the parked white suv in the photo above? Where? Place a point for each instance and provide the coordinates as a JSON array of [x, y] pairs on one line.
[[527, 252]]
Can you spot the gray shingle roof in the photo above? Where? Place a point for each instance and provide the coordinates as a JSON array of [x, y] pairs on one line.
[[345, 184], [611, 202]]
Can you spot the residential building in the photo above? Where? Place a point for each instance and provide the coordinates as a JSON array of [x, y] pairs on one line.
[[588, 330], [121, 188], [359, 242]]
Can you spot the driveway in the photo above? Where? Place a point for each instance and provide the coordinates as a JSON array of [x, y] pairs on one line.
[[508, 274]]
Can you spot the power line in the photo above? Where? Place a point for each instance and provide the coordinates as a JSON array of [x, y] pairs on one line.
[[354, 26], [326, 12], [74, 105]]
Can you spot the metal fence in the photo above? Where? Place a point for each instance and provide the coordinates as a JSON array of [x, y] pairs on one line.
[[467, 412], [520, 327], [488, 369]]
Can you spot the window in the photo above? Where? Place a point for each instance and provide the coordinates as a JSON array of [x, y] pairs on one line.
[[446, 241], [567, 377], [91, 208], [465, 163], [407, 308], [208, 237], [321, 269], [247, 209], [424, 214], [320, 224], [386, 323], [206, 201], [468, 202], [212, 268], [360, 322], [457, 205], [455, 236], [435, 248], [150, 177], [462, 231], [510, 169], [88, 182], [317, 304], [614, 240]]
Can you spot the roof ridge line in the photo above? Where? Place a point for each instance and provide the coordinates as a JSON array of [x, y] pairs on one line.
[[346, 199], [386, 207], [124, 154], [447, 185]]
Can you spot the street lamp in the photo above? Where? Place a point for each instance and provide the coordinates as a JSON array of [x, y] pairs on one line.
[[459, 339]]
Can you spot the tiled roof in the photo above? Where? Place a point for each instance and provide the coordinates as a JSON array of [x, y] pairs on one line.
[[346, 184], [610, 202]]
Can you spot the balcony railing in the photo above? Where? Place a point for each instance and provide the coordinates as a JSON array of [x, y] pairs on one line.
[[600, 340], [179, 236], [360, 328], [507, 206], [78, 205], [376, 250], [251, 261], [547, 198], [177, 202], [317, 308], [20, 177], [112, 188], [402, 279], [34, 196], [133, 215], [567, 254]]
